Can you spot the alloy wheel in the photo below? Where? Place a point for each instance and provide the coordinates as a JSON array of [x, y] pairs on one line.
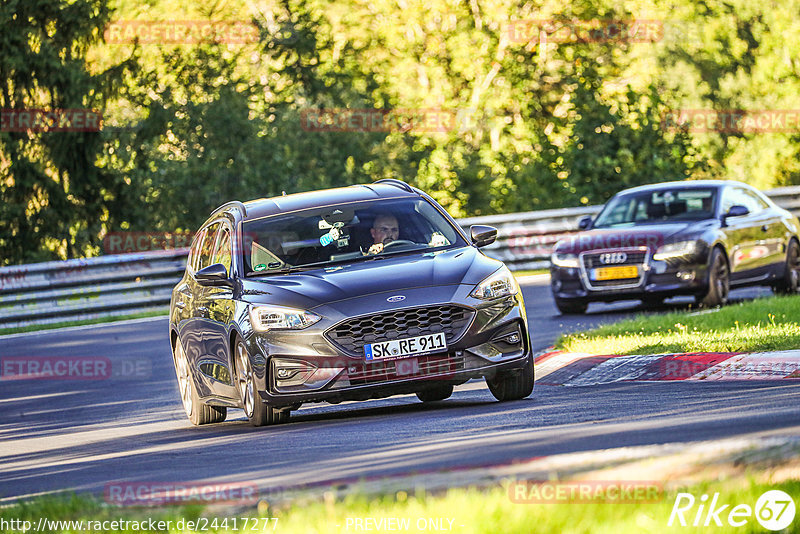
[[184, 378], [245, 380]]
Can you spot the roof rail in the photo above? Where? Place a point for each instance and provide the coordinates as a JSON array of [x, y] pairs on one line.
[[232, 204], [397, 183]]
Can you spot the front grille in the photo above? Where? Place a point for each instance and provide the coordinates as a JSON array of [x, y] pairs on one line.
[[351, 335], [420, 366], [592, 260]]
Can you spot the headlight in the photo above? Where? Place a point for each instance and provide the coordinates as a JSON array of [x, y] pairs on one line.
[[560, 259], [501, 284], [266, 318], [675, 250]]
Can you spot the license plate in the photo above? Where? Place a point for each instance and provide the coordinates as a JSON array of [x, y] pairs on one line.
[[410, 346], [616, 273]]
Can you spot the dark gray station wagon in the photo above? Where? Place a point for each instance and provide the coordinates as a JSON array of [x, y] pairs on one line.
[[346, 294]]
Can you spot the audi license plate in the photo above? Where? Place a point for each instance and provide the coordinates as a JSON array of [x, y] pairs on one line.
[[410, 346], [616, 273]]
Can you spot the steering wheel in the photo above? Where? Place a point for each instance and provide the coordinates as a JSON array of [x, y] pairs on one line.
[[398, 243]]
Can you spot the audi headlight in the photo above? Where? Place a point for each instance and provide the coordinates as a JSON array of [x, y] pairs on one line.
[[501, 284], [266, 318], [560, 259], [676, 250]]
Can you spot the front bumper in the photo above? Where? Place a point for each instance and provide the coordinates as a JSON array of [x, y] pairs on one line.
[[388, 388], [494, 339], [659, 280]]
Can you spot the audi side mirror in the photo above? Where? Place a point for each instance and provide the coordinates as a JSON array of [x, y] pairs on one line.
[[482, 235], [735, 211], [213, 275], [585, 222]]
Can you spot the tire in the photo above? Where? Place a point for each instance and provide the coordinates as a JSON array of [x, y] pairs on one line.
[[512, 385], [789, 284], [256, 410], [719, 281], [197, 412], [571, 307], [438, 393]]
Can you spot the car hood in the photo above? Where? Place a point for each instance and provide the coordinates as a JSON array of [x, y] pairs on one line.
[[651, 236], [309, 289]]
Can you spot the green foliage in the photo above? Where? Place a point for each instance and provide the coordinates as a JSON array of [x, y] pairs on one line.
[[534, 125], [54, 196]]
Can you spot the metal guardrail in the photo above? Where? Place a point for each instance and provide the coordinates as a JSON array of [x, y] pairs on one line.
[[126, 284], [73, 290]]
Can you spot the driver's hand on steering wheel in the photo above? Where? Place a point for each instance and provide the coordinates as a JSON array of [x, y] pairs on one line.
[[377, 248]]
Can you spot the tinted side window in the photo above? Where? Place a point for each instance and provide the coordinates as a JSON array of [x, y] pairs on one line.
[[757, 199], [207, 246], [737, 196], [194, 252], [222, 252]]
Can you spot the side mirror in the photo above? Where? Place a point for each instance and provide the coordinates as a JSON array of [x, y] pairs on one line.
[[735, 211], [213, 275], [585, 222], [482, 235]]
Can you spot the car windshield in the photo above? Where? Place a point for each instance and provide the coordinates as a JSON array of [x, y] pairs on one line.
[[360, 231], [656, 206]]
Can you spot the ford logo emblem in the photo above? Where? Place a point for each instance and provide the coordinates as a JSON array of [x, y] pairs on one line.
[[396, 298]]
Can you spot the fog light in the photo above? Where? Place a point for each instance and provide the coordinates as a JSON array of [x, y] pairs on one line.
[[300, 375], [291, 372], [686, 276]]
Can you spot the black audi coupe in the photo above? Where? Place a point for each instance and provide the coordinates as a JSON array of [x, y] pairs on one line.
[[354, 293], [696, 238]]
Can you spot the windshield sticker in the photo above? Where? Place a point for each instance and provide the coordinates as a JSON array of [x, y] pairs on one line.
[[260, 267], [275, 265], [330, 237]]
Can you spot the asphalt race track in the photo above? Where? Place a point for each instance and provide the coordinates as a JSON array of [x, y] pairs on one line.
[[129, 426]]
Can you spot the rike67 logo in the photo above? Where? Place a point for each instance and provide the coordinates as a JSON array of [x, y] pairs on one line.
[[774, 510]]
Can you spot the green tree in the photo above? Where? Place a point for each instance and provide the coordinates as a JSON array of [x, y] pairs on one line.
[[54, 197]]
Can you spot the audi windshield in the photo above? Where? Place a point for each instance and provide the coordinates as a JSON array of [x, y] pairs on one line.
[[658, 206], [344, 233]]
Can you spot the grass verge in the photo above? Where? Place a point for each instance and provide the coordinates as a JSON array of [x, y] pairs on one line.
[[457, 510], [764, 324], [97, 320]]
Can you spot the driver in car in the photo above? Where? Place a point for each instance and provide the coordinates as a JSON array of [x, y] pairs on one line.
[[385, 229]]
